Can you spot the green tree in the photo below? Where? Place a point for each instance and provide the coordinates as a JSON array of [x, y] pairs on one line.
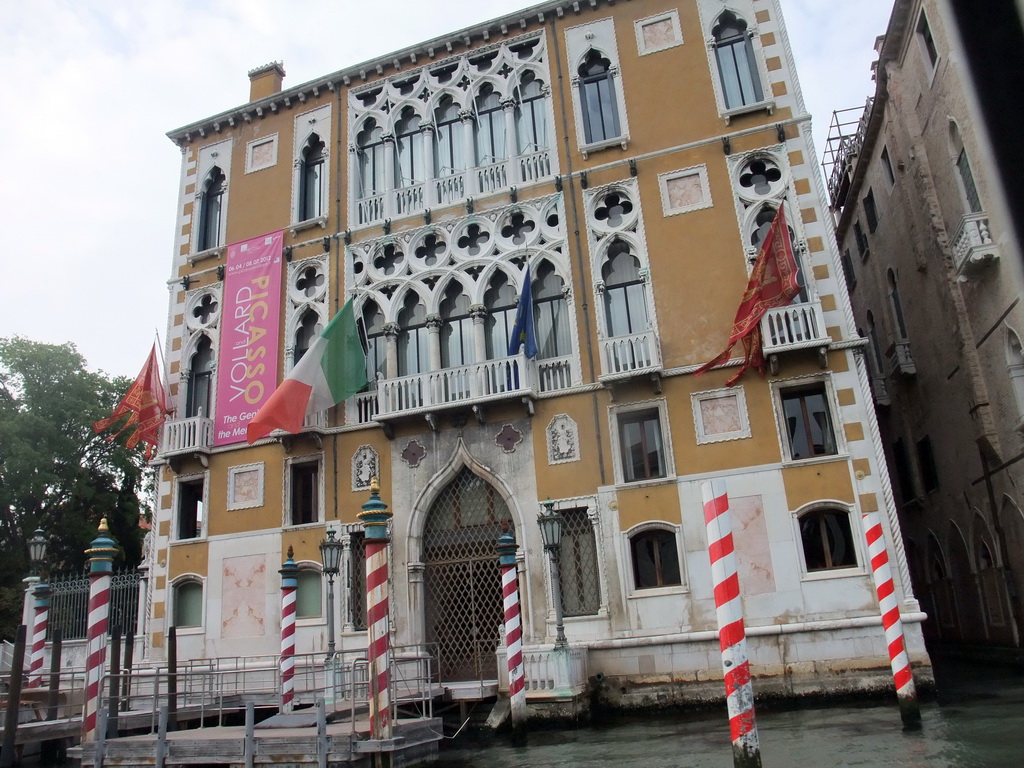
[[55, 473]]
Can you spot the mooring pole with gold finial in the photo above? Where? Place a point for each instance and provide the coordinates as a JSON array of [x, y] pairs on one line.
[[101, 558], [375, 518]]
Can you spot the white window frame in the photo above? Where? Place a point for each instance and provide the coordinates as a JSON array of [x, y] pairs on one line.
[[187, 578], [312, 121], [176, 508], [710, 11], [250, 149], [839, 435], [856, 538], [672, 16], [579, 40], [614, 413], [703, 438], [286, 503], [233, 472], [632, 591], [209, 156], [701, 172], [312, 621], [589, 503]]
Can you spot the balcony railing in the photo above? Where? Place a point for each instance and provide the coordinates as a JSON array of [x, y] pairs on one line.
[[972, 244], [549, 673], [625, 356], [797, 326], [409, 199], [370, 209], [366, 407], [554, 373], [535, 166], [492, 177], [450, 189], [900, 361], [315, 421], [187, 435], [880, 390], [464, 385]]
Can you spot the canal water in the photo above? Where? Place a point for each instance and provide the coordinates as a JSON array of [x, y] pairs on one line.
[[976, 720]]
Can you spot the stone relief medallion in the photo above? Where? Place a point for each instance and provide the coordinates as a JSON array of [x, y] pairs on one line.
[[365, 465], [563, 440], [413, 453]]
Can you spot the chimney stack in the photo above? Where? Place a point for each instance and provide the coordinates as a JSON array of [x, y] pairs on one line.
[[265, 81]]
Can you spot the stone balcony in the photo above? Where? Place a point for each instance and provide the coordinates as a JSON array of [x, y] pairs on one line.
[[901, 362], [972, 245], [624, 357], [791, 328], [191, 435]]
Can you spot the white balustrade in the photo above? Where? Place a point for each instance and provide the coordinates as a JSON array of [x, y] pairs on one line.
[[491, 178], [900, 359], [636, 353], [796, 326], [409, 199], [450, 189], [184, 435], [366, 407], [535, 166], [972, 243], [487, 380], [370, 209], [554, 373], [317, 420]]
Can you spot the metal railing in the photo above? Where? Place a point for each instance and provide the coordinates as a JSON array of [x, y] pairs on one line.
[[69, 604], [184, 435]]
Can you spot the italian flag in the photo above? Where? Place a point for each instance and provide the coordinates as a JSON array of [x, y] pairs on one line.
[[333, 369]]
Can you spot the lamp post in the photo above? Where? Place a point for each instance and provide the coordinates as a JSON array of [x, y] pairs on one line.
[[550, 523], [37, 559], [330, 556]]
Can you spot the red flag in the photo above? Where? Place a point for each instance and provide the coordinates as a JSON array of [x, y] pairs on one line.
[[145, 404], [773, 283]]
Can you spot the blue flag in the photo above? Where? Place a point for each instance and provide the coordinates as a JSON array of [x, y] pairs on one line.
[[523, 331]]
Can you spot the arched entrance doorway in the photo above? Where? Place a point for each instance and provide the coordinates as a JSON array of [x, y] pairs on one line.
[[462, 579]]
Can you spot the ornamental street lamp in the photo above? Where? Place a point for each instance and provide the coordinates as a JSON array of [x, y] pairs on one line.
[[550, 523], [330, 555], [37, 552]]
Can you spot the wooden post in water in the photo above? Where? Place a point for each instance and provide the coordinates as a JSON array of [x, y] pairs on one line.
[[8, 757], [53, 751], [172, 678], [732, 639], [250, 734], [101, 554], [289, 586]]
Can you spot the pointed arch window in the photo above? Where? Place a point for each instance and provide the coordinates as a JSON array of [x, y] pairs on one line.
[[897, 306], [413, 350], [457, 328], [370, 159], [307, 331], [449, 138], [600, 112], [550, 313], [500, 299], [376, 343], [964, 173], [409, 168], [625, 297], [200, 380], [210, 210], [311, 179], [531, 116], [737, 67], [490, 127]]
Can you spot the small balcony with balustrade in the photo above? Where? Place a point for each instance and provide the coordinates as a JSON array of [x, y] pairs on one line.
[[795, 327], [192, 436], [631, 356], [972, 245]]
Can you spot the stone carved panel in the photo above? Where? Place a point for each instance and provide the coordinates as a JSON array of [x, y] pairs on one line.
[[563, 440], [753, 549], [365, 465]]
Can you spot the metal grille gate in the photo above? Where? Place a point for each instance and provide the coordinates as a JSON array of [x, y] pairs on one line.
[[462, 578]]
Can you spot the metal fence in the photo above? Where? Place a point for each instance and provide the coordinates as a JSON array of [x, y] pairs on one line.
[[69, 604]]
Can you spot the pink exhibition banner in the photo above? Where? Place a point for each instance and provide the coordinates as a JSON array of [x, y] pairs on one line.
[[249, 334]]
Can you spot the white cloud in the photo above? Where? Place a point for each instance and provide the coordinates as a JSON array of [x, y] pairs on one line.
[[91, 189]]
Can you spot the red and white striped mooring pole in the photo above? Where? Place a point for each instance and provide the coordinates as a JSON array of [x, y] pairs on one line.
[[39, 622], [906, 693], [513, 627], [101, 555], [289, 584], [746, 750], [375, 517]]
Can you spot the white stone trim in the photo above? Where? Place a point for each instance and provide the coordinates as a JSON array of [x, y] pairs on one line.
[[704, 437], [839, 434], [701, 172], [312, 121], [172, 593], [709, 11], [250, 152], [579, 40], [626, 558], [614, 413], [211, 155], [672, 16], [234, 502], [286, 489], [176, 511], [856, 540]]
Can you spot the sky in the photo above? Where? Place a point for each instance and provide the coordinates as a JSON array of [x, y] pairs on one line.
[[91, 88]]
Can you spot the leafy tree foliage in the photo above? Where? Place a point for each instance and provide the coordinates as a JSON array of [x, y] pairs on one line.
[[55, 473]]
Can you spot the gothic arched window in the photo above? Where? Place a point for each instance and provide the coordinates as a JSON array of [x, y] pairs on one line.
[[737, 68], [500, 299], [311, 179], [200, 380], [625, 299], [413, 351], [531, 116], [550, 313], [370, 159], [210, 210], [597, 99]]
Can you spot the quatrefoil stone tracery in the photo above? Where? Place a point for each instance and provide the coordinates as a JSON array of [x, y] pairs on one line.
[[760, 176], [309, 281], [613, 209], [518, 229]]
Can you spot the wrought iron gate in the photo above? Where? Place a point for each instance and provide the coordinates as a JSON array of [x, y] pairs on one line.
[[462, 578]]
